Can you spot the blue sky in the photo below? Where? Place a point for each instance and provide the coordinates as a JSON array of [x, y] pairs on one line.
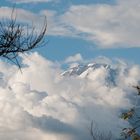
[[106, 31]]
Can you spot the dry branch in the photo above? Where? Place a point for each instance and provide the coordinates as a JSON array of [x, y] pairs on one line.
[[18, 38]]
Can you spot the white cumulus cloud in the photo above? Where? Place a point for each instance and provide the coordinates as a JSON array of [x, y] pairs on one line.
[[42, 104], [30, 1], [76, 58]]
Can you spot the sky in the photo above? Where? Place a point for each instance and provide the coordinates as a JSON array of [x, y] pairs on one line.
[[92, 28], [41, 103]]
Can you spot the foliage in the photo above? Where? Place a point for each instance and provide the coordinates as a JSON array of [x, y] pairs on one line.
[[133, 116]]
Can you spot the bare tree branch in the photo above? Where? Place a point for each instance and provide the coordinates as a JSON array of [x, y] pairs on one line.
[[18, 38]]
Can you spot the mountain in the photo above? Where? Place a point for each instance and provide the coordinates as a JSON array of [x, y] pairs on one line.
[[90, 70]]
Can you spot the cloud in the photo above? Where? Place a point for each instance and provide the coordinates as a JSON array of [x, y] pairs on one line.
[[55, 26], [30, 1], [107, 25], [76, 58], [42, 104], [21, 15]]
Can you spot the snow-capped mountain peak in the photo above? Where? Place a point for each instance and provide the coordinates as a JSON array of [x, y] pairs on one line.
[[79, 69], [92, 71]]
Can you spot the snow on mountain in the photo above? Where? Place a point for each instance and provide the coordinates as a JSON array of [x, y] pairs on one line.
[[92, 71]]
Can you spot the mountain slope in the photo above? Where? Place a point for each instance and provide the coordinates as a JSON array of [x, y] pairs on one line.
[[92, 71]]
